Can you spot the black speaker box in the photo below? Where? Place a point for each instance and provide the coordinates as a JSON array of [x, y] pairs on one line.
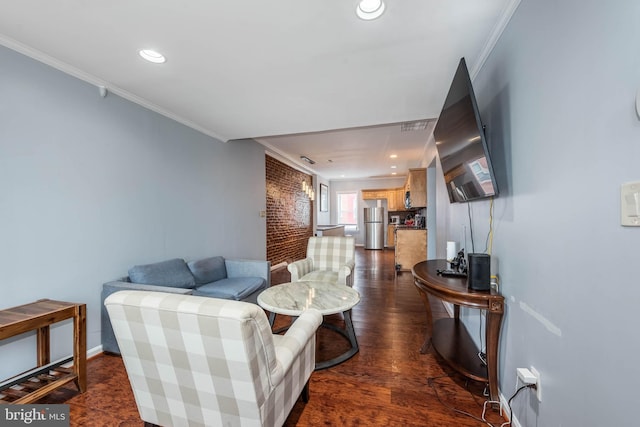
[[479, 272]]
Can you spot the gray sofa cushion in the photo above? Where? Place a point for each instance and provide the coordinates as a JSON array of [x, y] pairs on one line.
[[235, 288], [208, 270], [173, 272]]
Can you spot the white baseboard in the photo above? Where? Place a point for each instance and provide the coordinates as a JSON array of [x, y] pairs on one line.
[[504, 405], [90, 353], [94, 351], [449, 307]]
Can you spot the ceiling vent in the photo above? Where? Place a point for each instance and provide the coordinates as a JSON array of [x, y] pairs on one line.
[[308, 160], [414, 126]]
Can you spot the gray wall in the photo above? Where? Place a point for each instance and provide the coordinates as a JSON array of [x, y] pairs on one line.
[[90, 186], [322, 218], [557, 95]]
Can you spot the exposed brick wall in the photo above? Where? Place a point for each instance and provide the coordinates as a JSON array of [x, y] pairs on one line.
[[289, 210]]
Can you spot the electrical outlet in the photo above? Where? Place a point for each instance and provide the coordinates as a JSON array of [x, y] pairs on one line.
[[536, 374], [526, 376]]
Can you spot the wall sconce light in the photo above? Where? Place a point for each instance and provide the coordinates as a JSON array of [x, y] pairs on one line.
[[309, 191]]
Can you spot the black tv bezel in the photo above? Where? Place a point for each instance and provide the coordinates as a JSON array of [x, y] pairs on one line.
[[480, 131]]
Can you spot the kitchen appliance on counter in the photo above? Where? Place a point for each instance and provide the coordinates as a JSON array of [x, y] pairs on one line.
[[374, 228], [395, 220]]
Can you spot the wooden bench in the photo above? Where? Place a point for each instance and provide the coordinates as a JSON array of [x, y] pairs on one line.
[[46, 377]]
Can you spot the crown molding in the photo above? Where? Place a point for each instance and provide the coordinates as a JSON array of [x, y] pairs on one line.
[[505, 17], [101, 84]]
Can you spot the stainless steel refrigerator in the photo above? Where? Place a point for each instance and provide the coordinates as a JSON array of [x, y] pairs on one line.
[[374, 228]]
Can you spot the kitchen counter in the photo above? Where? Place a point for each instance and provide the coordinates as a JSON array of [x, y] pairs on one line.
[[391, 232], [330, 230]]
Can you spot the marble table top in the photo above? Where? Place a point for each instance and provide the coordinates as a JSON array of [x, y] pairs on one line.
[[292, 299]]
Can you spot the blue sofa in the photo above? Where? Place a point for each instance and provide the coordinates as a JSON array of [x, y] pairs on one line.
[[217, 277]]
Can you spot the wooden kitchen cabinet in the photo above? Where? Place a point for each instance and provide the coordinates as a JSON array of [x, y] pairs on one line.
[[395, 199], [399, 194], [393, 196], [374, 194], [417, 186], [391, 235], [411, 247], [392, 201]]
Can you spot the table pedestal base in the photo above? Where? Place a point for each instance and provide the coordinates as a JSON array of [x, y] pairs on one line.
[[348, 332]]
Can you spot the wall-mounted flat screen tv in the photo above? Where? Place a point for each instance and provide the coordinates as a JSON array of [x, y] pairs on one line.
[[461, 143]]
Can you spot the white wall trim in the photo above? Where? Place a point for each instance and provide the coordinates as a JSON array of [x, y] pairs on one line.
[[92, 352], [99, 83], [504, 407], [505, 17]]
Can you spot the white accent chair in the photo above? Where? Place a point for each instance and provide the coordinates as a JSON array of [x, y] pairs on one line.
[[329, 259], [210, 362]]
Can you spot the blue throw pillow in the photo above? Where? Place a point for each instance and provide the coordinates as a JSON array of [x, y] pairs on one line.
[[173, 272], [208, 270]]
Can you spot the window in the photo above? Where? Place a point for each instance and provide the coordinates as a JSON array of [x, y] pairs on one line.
[[348, 209]]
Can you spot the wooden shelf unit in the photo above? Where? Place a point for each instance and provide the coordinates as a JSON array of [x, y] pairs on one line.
[[46, 377]]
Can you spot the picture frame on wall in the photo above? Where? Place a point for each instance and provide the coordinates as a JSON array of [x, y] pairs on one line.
[[324, 198]]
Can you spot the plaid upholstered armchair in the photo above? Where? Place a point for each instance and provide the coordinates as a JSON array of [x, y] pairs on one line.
[[210, 362], [329, 259]]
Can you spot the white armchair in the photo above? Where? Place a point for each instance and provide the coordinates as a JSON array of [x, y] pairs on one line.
[[206, 361], [329, 259]]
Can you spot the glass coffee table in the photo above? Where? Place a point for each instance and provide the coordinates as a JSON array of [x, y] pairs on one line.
[[291, 299]]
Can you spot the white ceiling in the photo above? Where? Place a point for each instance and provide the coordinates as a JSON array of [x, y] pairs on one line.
[[253, 68], [357, 153]]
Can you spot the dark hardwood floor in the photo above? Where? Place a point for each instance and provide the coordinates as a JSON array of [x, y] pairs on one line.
[[388, 383]]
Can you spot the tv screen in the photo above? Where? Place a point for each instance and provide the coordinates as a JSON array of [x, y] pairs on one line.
[[461, 143]]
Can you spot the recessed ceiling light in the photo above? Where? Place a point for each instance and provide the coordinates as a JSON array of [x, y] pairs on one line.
[[152, 56], [394, 173], [393, 167], [370, 9], [393, 156]]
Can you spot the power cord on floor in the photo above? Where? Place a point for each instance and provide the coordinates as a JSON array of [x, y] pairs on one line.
[[508, 423], [431, 381]]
